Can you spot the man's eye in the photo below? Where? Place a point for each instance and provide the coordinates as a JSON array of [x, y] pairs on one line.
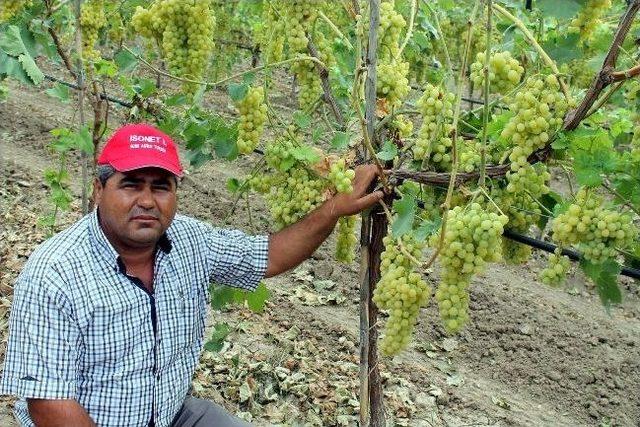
[[161, 187]]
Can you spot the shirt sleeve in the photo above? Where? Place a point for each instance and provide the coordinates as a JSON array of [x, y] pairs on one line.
[[41, 359], [235, 258]]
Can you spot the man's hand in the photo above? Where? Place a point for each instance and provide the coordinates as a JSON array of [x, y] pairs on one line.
[[344, 204], [58, 413]]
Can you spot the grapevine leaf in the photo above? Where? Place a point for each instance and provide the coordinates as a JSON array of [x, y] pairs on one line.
[[422, 40], [249, 78], [83, 141], [125, 61], [224, 138], [237, 92], [389, 151], [11, 67], [32, 70], [497, 124], [589, 166], [220, 332], [605, 277], [11, 41], [340, 141], [233, 185], [559, 9], [301, 119], [256, 299], [549, 201], [427, 229], [563, 48], [106, 68], [305, 154], [175, 100], [145, 87], [60, 92], [406, 213], [221, 296], [561, 141]]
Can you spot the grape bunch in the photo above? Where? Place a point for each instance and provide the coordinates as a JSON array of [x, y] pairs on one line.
[[556, 271], [401, 291], [471, 240], [538, 110], [596, 230], [253, 114], [434, 141], [347, 240], [92, 20], [10, 8], [341, 176], [402, 125], [469, 153], [587, 20], [392, 83], [505, 72], [185, 30], [271, 33]]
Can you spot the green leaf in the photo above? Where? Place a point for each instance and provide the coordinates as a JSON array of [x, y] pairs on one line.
[[11, 41], [145, 87], [563, 48], [233, 185], [389, 151], [29, 66], [84, 141], [175, 100], [11, 67], [605, 277], [301, 119], [237, 92], [256, 300], [549, 201], [125, 61], [427, 229], [406, 213], [305, 154], [106, 68], [60, 92], [221, 296], [340, 141], [560, 10], [220, 332]]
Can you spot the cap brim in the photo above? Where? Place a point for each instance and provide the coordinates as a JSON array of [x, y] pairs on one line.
[[127, 165]]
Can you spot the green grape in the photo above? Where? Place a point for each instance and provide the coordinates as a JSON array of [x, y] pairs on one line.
[[505, 72], [253, 114], [347, 240], [270, 35], [469, 153], [341, 176], [588, 18], [403, 125], [10, 8], [401, 291], [556, 271], [470, 242], [434, 142], [185, 29], [596, 230], [538, 110], [92, 19]]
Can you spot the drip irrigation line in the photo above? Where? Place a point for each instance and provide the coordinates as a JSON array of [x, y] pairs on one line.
[[550, 247], [102, 95]]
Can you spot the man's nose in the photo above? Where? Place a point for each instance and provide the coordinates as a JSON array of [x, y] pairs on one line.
[[145, 199]]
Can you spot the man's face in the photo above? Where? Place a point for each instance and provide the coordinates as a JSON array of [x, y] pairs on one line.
[[137, 207]]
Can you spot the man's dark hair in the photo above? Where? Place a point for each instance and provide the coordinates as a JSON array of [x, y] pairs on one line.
[[104, 172]]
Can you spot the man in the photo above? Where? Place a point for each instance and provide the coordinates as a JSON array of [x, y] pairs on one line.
[[108, 316]]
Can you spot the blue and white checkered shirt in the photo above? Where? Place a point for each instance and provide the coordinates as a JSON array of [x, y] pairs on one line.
[[82, 329]]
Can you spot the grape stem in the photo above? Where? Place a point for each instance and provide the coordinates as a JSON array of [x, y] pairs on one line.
[[412, 17], [454, 154], [486, 85], [226, 79], [447, 57], [401, 246], [335, 29], [607, 185], [545, 57], [483, 191]]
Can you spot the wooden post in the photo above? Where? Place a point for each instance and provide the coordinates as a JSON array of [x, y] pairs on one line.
[[374, 228]]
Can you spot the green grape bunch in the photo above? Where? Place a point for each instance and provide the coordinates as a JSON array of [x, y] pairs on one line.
[[471, 240], [434, 141], [555, 273], [341, 176], [505, 72], [10, 8], [392, 81], [92, 20], [253, 114], [588, 19], [185, 30], [346, 240], [595, 229], [401, 291]]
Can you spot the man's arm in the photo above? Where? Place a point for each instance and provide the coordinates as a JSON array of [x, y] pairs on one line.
[[58, 413], [294, 244]]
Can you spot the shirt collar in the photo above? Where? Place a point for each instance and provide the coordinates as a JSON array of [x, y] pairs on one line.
[[104, 248]]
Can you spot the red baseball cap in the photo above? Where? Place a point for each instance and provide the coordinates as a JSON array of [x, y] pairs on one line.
[[137, 146]]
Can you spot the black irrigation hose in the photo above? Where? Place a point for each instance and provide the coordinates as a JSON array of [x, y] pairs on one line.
[[549, 247], [76, 87]]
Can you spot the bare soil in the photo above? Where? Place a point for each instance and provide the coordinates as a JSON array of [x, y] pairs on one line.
[[531, 355]]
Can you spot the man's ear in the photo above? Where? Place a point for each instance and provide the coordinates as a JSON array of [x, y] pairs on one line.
[[97, 191]]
